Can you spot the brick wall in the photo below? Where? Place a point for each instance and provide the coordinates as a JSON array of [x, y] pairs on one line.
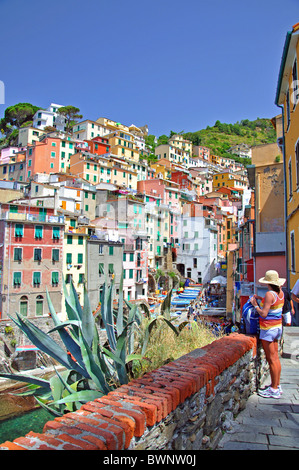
[[184, 405]]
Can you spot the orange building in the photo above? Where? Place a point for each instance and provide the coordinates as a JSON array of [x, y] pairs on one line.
[[43, 157], [98, 145]]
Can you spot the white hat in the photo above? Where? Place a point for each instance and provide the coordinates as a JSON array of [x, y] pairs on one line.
[[272, 277]]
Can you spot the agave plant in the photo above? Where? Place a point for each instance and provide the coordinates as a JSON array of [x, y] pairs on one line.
[[90, 370]]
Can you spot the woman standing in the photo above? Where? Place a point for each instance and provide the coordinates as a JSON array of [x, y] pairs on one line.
[[270, 321]]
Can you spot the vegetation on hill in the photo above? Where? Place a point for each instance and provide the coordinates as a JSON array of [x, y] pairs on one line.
[[221, 137]]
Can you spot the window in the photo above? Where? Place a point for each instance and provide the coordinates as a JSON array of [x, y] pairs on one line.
[[80, 258], [36, 279], [55, 278], [80, 240], [69, 258], [19, 230], [69, 239], [288, 108], [39, 305], [24, 305], [53, 154], [131, 273], [56, 233], [38, 231], [17, 254], [68, 278], [293, 265], [294, 84], [13, 209], [290, 179], [17, 276], [111, 268], [297, 163], [111, 250], [81, 278], [37, 254], [101, 269], [55, 254]]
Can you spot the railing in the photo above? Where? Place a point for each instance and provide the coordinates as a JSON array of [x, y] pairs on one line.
[[22, 216]]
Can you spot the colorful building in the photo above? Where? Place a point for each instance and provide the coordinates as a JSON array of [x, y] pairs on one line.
[[287, 94], [31, 240]]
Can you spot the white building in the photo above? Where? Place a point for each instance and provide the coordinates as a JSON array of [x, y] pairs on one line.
[[49, 117], [197, 253], [87, 130]]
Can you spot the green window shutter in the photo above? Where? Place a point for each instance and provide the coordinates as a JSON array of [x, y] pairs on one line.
[[19, 230], [39, 306], [101, 268], [17, 279], [24, 307], [130, 273], [17, 254], [81, 278], [73, 223], [80, 240], [56, 233], [124, 256], [55, 278], [131, 256], [69, 258], [69, 239], [111, 250], [80, 258], [55, 254], [37, 254], [13, 209], [38, 231], [111, 268], [36, 278]]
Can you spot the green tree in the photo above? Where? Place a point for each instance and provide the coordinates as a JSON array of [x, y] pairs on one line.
[[71, 115], [19, 113]]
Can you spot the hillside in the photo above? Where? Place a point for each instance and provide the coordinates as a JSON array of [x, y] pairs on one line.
[[222, 136]]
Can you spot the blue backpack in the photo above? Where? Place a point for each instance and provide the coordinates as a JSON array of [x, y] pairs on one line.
[[250, 320]]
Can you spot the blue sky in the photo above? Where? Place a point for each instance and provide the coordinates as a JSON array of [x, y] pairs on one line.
[[173, 65]]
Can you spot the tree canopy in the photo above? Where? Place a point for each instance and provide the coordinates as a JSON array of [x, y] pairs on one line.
[[71, 115]]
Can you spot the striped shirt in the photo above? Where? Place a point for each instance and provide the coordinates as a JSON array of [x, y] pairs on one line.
[[274, 317]]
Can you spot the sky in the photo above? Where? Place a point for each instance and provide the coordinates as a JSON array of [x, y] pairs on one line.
[[173, 65]]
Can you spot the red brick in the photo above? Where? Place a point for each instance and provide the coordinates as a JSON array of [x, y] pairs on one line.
[[149, 410], [80, 444], [48, 439], [11, 446]]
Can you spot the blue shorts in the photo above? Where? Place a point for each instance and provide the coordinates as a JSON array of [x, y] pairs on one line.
[[273, 334]]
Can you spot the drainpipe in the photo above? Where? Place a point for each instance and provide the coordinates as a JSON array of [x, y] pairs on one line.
[[285, 198]]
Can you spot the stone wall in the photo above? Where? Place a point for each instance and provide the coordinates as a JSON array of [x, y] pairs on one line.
[[184, 405]]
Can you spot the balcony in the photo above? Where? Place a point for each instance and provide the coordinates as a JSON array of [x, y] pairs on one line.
[[24, 216]]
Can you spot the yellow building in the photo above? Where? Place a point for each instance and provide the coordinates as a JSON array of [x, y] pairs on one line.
[[162, 168], [178, 141], [287, 95], [74, 261], [123, 145], [228, 179]]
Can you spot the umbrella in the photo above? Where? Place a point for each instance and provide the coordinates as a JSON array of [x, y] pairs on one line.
[[219, 280]]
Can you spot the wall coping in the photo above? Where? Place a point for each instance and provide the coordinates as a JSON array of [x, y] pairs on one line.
[[111, 422]]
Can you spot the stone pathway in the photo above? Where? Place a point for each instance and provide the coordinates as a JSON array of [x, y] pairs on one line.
[[270, 424]]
